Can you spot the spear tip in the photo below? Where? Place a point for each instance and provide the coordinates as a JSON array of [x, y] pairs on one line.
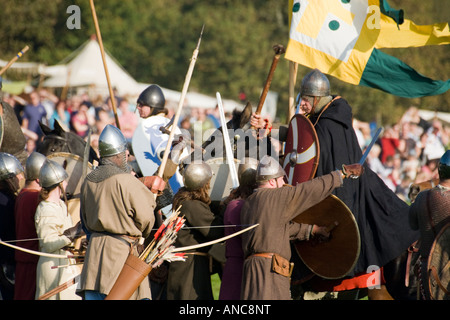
[[200, 38]]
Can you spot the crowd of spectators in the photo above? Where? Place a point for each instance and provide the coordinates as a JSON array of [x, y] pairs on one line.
[[406, 152], [80, 112]]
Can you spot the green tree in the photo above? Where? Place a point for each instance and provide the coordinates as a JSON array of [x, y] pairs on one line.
[[154, 41]]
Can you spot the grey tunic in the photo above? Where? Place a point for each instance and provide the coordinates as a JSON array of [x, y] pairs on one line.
[[274, 209]]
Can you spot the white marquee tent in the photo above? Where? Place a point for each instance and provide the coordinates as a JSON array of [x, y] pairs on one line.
[[84, 69]]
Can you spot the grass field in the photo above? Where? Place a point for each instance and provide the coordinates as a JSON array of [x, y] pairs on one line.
[[215, 283]]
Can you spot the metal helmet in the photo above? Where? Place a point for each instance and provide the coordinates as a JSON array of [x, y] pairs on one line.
[[10, 166], [268, 168], [315, 84], [51, 174], [33, 165], [444, 166], [247, 172], [153, 97], [196, 175], [111, 142]]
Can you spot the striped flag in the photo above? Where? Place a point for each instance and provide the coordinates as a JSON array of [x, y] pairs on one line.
[[343, 38]]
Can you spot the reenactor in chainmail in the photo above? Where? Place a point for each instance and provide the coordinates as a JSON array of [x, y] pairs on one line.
[[429, 213], [117, 211]]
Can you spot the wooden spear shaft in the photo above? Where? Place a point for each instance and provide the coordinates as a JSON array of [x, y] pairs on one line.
[[100, 42], [18, 55], [180, 105]]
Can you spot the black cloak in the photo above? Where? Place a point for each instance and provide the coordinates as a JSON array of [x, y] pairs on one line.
[[382, 217]]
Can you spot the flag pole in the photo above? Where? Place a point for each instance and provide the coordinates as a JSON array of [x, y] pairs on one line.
[[293, 68], [102, 50]]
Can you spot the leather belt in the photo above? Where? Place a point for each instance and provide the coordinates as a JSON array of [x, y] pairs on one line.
[[267, 255], [130, 240], [280, 265]]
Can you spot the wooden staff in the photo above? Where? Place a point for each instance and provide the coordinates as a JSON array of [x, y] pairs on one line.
[[18, 55], [180, 105], [100, 42], [279, 50]]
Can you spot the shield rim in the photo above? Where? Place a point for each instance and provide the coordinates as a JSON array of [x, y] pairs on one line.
[[430, 256], [358, 238], [316, 163]]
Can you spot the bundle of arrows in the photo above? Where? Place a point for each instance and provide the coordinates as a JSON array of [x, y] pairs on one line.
[[161, 247]]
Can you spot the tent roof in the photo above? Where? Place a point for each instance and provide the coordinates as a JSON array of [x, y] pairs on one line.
[[86, 69], [430, 115]]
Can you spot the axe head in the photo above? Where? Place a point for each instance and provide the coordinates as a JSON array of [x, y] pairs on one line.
[[279, 49]]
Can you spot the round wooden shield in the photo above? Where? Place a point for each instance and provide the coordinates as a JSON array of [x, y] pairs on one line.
[[301, 150], [221, 184], [73, 164], [439, 266], [336, 257]]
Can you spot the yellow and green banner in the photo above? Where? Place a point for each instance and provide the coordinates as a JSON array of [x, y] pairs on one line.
[[342, 38]]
